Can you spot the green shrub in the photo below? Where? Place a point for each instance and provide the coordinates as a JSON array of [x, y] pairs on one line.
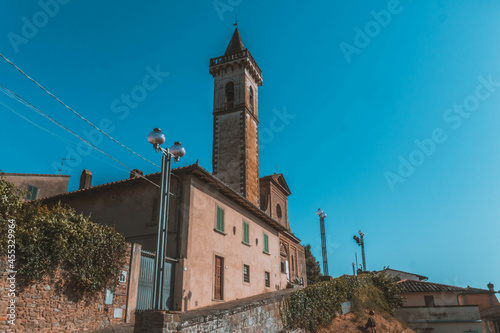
[[88, 255], [317, 305]]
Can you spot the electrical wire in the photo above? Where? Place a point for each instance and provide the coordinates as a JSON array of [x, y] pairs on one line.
[[15, 96], [69, 142], [76, 113]]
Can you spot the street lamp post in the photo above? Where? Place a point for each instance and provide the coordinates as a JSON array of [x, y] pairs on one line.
[[322, 216], [360, 242], [157, 138]]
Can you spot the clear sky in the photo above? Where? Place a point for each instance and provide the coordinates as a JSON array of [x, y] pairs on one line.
[[393, 111]]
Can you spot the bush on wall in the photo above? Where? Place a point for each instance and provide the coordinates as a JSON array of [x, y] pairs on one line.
[[89, 255], [317, 305]]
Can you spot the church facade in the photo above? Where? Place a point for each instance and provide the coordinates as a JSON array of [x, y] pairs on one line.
[[229, 235]]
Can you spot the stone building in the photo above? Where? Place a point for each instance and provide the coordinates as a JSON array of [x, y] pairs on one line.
[[229, 234]]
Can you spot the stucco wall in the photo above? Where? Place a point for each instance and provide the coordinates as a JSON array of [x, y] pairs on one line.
[[48, 185], [204, 244], [484, 301], [440, 298]]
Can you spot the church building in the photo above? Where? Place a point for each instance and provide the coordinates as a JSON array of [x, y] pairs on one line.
[[229, 234]]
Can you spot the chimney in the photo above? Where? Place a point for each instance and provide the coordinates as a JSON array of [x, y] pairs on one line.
[[85, 179], [490, 287], [136, 173]]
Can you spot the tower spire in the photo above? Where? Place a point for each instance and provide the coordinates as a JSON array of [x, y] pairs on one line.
[[235, 44]]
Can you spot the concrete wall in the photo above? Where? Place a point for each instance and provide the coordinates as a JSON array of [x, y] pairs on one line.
[[204, 243], [48, 185], [443, 319], [42, 308]]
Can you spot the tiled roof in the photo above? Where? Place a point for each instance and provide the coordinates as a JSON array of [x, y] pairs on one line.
[[31, 174], [421, 277], [413, 286]]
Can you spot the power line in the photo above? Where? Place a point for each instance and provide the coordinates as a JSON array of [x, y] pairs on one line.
[[15, 96], [69, 142], [76, 113]]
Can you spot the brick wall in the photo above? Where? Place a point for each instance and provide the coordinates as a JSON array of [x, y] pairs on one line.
[[255, 314], [42, 308]]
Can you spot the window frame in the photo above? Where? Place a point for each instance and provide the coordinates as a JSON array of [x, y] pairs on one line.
[[246, 277], [267, 279]]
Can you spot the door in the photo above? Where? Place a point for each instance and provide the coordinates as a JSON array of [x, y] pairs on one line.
[[219, 277]]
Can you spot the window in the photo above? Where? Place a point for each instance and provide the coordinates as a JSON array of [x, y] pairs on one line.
[[283, 266], [266, 243], [250, 98], [32, 192], [220, 219], [266, 279], [279, 213], [293, 266], [246, 273], [229, 94], [429, 301], [246, 236]]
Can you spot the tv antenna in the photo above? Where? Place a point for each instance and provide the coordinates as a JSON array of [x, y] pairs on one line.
[[62, 164]]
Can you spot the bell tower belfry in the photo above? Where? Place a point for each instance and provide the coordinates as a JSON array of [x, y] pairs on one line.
[[235, 156]]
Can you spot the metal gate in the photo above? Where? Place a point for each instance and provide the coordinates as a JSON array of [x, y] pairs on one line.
[[146, 277]]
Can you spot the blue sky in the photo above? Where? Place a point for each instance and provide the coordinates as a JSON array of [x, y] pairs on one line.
[[357, 104]]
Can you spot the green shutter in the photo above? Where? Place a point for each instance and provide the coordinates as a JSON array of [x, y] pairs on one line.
[[32, 192], [220, 219], [266, 243], [246, 236]]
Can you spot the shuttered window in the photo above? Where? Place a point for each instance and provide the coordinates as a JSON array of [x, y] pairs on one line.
[[266, 243], [32, 192], [220, 219], [246, 234]]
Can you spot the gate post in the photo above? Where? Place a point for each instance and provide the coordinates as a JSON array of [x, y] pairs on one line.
[[133, 282]]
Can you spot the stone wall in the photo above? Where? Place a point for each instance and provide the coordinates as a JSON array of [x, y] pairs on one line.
[[255, 314], [43, 308]]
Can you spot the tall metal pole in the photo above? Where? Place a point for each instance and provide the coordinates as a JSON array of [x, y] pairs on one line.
[[161, 246], [323, 246], [363, 251]]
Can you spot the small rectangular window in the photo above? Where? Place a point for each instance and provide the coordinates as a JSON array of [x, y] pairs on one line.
[[246, 273], [283, 266], [429, 301], [267, 279], [220, 219], [32, 192], [266, 243], [246, 235]]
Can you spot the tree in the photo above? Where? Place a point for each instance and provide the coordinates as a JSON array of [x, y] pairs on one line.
[[312, 266], [45, 240]]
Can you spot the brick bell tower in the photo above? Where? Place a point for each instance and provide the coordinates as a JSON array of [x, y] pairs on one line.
[[235, 156]]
